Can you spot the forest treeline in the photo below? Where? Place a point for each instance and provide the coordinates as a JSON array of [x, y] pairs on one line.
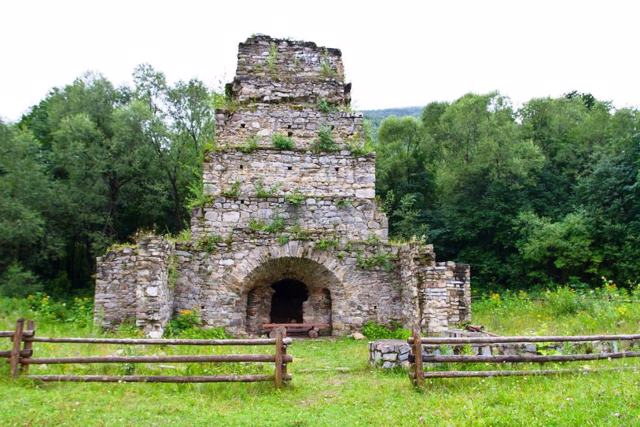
[[545, 194]]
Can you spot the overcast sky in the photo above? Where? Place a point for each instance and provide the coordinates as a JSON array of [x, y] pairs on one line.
[[396, 53]]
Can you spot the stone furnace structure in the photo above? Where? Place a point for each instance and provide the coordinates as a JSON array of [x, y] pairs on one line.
[[289, 230]]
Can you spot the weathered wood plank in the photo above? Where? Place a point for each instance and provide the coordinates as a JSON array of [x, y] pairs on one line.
[[153, 378], [527, 358], [14, 358], [417, 364], [157, 341], [524, 339], [219, 358]]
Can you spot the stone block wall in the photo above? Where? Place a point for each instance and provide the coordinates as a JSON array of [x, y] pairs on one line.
[[115, 293], [338, 175], [260, 122], [279, 70]]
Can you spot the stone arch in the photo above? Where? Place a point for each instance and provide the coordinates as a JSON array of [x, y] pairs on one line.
[[319, 271]]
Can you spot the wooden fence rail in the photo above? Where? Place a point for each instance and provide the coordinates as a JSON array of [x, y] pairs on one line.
[[22, 340], [417, 359]]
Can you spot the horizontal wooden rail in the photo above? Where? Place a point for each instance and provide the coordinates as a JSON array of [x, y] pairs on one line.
[[524, 339], [158, 341], [159, 359], [6, 334], [525, 358], [23, 353], [515, 373], [155, 379]]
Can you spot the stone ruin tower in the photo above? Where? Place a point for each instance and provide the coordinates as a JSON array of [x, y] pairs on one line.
[[288, 233]]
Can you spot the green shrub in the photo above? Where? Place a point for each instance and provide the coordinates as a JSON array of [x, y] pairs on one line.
[[324, 106], [250, 145], [275, 226], [18, 282], [263, 192], [377, 331], [197, 198], [326, 244], [233, 192], [565, 301], [380, 259], [344, 203], [283, 239], [208, 243], [188, 324], [282, 142], [324, 142], [296, 198], [299, 233]]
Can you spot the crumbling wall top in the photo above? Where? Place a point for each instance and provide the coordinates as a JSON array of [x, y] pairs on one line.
[[282, 70]]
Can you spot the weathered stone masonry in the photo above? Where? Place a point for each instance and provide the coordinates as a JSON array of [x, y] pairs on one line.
[[285, 234]]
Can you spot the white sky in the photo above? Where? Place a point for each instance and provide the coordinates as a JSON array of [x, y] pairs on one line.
[[396, 53]]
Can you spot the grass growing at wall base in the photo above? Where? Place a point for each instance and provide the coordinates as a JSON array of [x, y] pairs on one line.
[[333, 384]]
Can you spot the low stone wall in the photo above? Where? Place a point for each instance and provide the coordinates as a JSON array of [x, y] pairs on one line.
[[389, 354]]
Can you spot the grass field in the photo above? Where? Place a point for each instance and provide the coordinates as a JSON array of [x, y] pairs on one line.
[[333, 385]]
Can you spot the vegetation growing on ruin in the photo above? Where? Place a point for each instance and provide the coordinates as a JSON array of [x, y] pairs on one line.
[[344, 203], [282, 142], [197, 197], [264, 192], [272, 59], [326, 69], [276, 225], [324, 142], [380, 259], [324, 106], [377, 331], [295, 198], [328, 243], [233, 191], [173, 274], [208, 243], [250, 145]]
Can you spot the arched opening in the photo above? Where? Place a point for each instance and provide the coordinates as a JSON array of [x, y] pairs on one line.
[[289, 290], [287, 300]]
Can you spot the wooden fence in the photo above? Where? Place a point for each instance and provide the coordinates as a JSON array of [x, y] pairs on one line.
[[20, 357], [418, 374]]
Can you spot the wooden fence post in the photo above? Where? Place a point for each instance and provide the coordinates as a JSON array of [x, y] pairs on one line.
[[28, 346], [14, 358], [417, 358], [278, 377]]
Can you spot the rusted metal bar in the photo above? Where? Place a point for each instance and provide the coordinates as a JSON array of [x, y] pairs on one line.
[[418, 374], [513, 373], [220, 358], [28, 346], [152, 378], [14, 358], [157, 341], [524, 339], [526, 358], [279, 359]]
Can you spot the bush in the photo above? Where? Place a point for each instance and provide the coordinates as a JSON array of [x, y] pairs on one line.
[[17, 282], [325, 142], [282, 142], [565, 301], [187, 324], [377, 331]]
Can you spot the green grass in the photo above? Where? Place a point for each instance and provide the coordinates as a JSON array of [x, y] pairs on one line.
[[332, 383]]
